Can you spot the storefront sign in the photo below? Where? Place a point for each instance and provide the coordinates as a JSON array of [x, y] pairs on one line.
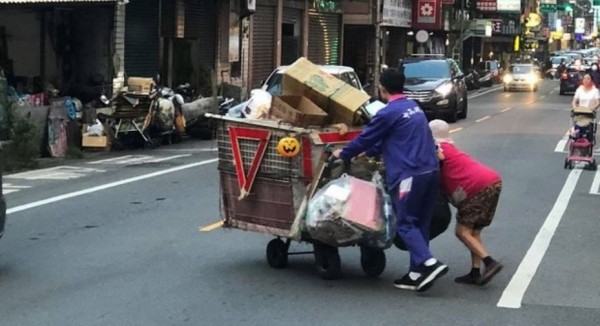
[[487, 5], [497, 26], [509, 5], [397, 13], [427, 14], [579, 25]]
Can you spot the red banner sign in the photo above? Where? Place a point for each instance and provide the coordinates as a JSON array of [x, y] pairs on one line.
[[427, 14]]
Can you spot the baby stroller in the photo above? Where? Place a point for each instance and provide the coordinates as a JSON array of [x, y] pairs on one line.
[[582, 138]]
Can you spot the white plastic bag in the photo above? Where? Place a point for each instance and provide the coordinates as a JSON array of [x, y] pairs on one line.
[[259, 105], [96, 129]]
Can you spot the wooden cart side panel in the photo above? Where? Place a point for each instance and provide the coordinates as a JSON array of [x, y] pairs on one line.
[[270, 203]]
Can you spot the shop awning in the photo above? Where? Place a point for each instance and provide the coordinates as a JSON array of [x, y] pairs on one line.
[[51, 1]]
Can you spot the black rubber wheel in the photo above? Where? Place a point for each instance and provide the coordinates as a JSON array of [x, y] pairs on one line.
[[465, 109], [561, 92], [571, 165], [327, 260], [277, 254], [593, 165], [566, 163], [452, 116], [372, 261]]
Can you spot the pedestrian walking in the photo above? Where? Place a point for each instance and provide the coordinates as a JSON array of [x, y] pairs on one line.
[[587, 94], [399, 132], [595, 74], [474, 189]]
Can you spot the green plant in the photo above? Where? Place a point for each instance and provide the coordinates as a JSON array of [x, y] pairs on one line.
[[22, 150]]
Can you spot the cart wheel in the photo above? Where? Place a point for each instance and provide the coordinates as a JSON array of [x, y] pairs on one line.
[[593, 165], [277, 254], [372, 261], [328, 261], [566, 163], [571, 165]]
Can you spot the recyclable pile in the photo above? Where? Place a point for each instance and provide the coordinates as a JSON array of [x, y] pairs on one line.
[[309, 98], [349, 211]]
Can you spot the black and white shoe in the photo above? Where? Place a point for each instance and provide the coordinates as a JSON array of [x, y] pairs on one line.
[[406, 283], [429, 275]]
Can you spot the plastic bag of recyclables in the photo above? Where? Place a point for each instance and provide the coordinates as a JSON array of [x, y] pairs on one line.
[[350, 211]]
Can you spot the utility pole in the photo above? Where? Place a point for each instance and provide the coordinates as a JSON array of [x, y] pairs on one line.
[[377, 60], [462, 33]]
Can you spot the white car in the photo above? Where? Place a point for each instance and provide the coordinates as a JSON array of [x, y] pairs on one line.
[[346, 74]]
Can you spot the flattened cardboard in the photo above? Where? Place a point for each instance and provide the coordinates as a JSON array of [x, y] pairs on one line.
[[339, 99], [297, 110]]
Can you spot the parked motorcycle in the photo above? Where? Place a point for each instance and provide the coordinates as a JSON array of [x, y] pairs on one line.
[[472, 80]]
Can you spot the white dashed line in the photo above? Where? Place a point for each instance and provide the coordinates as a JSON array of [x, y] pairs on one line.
[[483, 119], [507, 109]]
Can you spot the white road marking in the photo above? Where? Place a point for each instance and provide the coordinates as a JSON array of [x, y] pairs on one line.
[[507, 109], [55, 173], [8, 188], [483, 119], [552, 92], [137, 159], [105, 186], [512, 296], [542, 97], [162, 159], [562, 144], [191, 150], [595, 189], [456, 130], [493, 89]]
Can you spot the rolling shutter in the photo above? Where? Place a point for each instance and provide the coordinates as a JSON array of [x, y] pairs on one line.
[[291, 44], [324, 39], [142, 39], [263, 44]]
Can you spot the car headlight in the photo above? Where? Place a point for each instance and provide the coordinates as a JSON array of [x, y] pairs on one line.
[[444, 90], [532, 79], [507, 78]]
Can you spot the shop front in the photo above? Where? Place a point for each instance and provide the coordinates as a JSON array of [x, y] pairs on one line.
[[65, 45]]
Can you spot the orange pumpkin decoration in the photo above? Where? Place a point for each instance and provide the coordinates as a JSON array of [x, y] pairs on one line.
[[288, 147]]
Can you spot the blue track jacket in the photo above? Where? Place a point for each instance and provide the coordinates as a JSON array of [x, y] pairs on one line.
[[401, 134]]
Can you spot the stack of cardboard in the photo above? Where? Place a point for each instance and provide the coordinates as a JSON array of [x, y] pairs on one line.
[[312, 97]]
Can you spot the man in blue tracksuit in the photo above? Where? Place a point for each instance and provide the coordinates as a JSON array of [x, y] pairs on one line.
[[400, 133]]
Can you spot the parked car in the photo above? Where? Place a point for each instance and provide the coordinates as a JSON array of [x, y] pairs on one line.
[[438, 85], [273, 83], [2, 204], [570, 80]]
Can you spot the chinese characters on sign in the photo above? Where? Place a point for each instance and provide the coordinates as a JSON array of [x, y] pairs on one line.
[[509, 5], [397, 13], [487, 5], [497, 26]]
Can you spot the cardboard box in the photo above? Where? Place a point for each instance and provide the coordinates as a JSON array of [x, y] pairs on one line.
[[297, 110], [95, 141], [339, 99], [140, 85]]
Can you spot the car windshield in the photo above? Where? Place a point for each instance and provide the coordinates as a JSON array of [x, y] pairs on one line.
[[557, 60], [520, 69], [274, 84], [427, 69]]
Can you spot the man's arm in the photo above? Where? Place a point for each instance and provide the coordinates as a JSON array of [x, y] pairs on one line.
[[368, 139]]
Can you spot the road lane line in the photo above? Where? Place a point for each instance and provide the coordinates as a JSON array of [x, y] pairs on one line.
[[211, 227], [105, 186], [507, 109], [162, 159], [483, 119], [493, 89], [456, 130], [111, 159], [595, 189], [512, 297], [542, 97], [560, 146]]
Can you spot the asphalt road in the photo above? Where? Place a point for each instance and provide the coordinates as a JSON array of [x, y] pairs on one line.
[[116, 241]]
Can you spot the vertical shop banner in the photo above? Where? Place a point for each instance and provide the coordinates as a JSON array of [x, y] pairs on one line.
[[397, 13], [427, 14]]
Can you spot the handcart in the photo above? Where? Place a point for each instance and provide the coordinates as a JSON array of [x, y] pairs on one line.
[[268, 171]]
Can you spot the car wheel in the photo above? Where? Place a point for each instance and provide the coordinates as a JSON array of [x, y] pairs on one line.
[[561, 92], [465, 109], [452, 115]]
